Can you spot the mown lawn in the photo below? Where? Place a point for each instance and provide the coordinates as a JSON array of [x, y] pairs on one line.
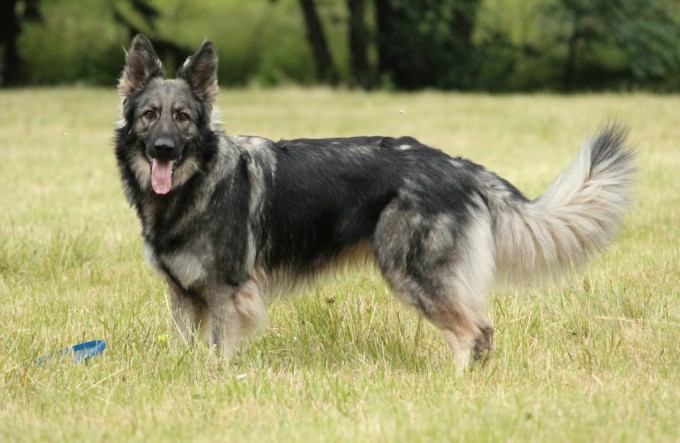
[[593, 359]]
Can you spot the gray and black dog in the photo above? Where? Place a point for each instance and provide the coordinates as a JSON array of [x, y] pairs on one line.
[[229, 221]]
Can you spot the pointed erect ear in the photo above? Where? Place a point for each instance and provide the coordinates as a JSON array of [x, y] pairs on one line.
[[141, 65], [200, 71]]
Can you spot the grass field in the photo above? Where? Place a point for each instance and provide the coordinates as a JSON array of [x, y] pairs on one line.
[[596, 358]]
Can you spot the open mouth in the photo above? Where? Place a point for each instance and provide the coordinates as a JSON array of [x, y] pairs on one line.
[[161, 174]]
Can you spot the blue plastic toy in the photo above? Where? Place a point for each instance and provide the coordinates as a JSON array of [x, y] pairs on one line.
[[80, 352]]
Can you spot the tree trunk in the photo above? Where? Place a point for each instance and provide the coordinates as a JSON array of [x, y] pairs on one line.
[[325, 67], [358, 44], [10, 27], [383, 16], [568, 78]]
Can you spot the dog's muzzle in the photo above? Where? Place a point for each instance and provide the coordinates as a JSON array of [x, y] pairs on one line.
[[164, 156]]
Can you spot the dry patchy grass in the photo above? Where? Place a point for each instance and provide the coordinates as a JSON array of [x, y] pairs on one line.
[[594, 359]]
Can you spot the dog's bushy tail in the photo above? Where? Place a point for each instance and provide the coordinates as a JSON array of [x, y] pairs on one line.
[[579, 213]]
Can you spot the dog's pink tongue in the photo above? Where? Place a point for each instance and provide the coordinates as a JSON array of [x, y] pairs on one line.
[[161, 176]]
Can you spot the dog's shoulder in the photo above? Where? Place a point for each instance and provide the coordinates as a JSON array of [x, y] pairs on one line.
[[252, 142]]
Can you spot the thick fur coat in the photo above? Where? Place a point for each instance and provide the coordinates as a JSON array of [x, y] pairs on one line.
[[228, 221]]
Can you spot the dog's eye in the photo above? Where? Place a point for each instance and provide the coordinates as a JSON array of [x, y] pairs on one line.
[[182, 116], [149, 114]]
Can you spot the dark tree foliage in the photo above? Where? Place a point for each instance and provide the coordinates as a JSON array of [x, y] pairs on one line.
[[427, 43], [13, 14], [129, 12], [643, 31], [404, 44]]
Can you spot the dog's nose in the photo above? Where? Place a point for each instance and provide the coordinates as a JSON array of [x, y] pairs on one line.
[[164, 145]]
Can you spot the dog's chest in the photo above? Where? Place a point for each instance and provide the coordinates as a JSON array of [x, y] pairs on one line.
[[186, 266]]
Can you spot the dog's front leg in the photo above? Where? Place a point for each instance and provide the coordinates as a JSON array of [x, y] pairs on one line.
[[234, 312], [189, 313]]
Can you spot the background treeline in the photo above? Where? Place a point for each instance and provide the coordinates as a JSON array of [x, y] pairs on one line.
[[488, 45]]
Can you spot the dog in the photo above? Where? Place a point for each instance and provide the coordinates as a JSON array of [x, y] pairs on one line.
[[231, 221]]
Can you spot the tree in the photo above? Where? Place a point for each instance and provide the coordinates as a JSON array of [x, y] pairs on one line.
[[325, 67], [13, 13], [643, 32], [139, 17], [358, 43], [427, 43]]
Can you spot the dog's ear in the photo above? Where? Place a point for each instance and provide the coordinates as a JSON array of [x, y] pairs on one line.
[[141, 65], [200, 71]]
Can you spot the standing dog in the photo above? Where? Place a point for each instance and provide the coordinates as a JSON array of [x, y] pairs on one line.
[[229, 220]]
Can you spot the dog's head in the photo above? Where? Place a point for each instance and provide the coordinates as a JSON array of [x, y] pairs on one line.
[[166, 121]]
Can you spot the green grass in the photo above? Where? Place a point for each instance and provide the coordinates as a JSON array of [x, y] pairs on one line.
[[593, 359]]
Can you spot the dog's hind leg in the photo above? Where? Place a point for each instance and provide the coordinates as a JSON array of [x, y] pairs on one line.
[[465, 328], [441, 264], [466, 335], [234, 313], [471, 273]]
